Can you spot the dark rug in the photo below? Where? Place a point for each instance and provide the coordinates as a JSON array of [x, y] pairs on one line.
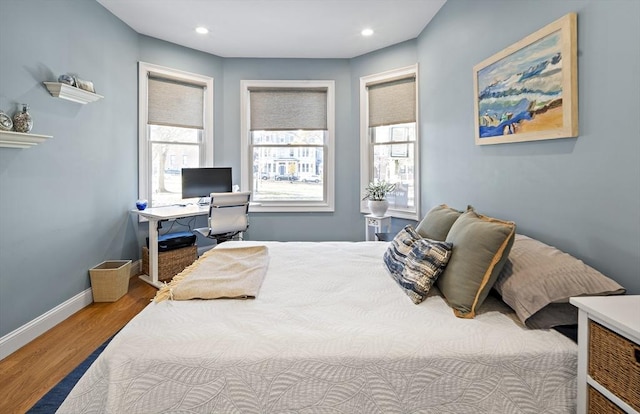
[[54, 398]]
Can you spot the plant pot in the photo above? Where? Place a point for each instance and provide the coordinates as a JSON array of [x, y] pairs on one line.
[[378, 207]]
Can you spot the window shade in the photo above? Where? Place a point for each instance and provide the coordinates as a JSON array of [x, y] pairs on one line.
[[175, 104], [392, 102], [288, 109]]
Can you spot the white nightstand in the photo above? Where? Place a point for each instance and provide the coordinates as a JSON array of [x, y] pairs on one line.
[[375, 225], [608, 353]]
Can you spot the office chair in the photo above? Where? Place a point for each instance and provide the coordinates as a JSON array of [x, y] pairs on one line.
[[228, 216]]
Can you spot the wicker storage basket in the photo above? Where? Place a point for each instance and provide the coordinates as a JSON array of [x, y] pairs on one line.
[[110, 280], [171, 262], [613, 363], [599, 404]]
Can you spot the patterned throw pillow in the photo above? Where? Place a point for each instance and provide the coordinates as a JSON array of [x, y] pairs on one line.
[[399, 248], [426, 261]]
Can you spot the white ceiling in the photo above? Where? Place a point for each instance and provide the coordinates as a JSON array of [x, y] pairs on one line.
[[278, 28]]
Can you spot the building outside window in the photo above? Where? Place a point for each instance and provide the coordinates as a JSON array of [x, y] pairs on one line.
[[389, 138], [288, 144], [175, 131]]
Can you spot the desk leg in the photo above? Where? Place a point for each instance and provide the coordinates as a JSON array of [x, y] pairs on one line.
[[152, 278], [370, 232], [387, 226]]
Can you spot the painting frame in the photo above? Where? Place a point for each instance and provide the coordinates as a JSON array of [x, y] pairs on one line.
[[529, 91]]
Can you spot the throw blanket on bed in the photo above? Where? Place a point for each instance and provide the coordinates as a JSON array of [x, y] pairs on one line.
[[220, 273]]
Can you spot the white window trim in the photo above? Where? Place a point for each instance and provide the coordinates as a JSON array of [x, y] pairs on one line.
[[246, 163], [144, 144], [366, 148]]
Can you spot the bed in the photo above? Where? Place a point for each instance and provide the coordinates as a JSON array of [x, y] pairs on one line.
[[328, 332]]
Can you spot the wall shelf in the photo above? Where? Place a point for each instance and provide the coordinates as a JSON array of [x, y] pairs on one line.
[[10, 139], [71, 93]]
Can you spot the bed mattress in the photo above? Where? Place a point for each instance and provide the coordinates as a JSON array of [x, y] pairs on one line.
[[329, 332]]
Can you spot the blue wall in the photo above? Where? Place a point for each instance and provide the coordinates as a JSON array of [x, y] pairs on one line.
[[394, 57], [344, 223], [579, 194], [159, 52], [64, 203]]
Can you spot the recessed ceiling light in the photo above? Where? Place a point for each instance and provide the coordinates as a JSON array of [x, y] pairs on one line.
[[367, 32], [202, 30]]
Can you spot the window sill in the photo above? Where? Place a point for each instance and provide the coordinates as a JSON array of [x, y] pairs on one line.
[[399, 214], [265, 207]]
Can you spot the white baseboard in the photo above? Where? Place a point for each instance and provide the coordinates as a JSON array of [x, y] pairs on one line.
[[136, 268], [15, 340]]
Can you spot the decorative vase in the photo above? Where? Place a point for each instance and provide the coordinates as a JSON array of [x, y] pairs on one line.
[[68, 79], [6, 124], [378, 207], [141, 204], [22, 121]]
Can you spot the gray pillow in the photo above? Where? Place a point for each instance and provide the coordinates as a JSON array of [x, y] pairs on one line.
[[481, 246], [436, 223], [538, 280]]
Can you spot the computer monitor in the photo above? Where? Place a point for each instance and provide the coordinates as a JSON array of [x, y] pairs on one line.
[[201, 182]]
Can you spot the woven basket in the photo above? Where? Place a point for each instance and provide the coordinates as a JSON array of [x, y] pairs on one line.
[[599, 404], [613, 363], [110, 280], [171, 262]]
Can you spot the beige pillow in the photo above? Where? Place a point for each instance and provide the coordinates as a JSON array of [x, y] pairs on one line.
[[436, 224], [538, 280], [481, 246]]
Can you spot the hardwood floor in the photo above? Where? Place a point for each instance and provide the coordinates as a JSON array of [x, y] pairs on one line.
[[31, 371]]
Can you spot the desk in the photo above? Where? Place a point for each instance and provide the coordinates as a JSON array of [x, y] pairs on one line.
[[156, 214]]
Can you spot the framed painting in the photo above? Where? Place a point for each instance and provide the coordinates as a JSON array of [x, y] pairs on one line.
[[529, 91]]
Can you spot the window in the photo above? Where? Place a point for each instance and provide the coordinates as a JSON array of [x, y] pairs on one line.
[[288, 144], [175, 130], [389, 138]]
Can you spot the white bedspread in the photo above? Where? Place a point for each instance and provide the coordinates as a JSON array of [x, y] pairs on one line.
[[330, 332]]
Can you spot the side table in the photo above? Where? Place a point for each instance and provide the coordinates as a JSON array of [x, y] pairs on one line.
[[608, 353], [375, 225]]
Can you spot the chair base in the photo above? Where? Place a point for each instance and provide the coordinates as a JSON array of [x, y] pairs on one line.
[[220, 238]]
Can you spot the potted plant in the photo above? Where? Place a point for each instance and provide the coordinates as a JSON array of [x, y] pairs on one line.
[[376, 196]]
